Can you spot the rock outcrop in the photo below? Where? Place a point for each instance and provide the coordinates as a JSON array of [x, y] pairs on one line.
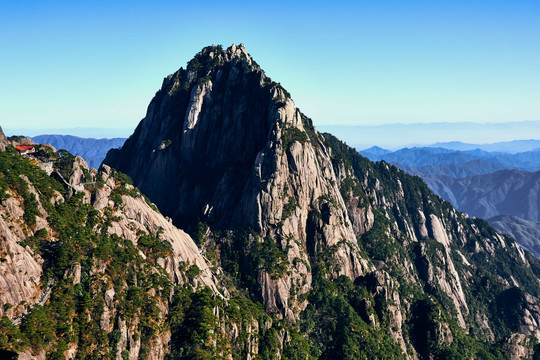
[[31, 244], [136, 216], [20, 266], [3, 140]]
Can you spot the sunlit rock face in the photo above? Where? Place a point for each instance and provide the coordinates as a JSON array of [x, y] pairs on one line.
[[224, 144]]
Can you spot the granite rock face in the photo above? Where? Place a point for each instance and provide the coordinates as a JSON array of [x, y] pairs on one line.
[[3, 140], [234, 152], [20, 267]]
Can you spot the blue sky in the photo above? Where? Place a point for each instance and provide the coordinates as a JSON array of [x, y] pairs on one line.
[[97, 64]]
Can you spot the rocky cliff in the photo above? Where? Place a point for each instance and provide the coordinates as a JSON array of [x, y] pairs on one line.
[[361, 259], [238, 154], [88, 264], [3, 140]]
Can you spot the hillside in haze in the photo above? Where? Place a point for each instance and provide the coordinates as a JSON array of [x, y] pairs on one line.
[[485, 187], [527, 233], [505, 192], [433, 156], [93, 151]]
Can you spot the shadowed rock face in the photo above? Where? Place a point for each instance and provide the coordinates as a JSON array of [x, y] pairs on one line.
[[201, 136], [222, 143]]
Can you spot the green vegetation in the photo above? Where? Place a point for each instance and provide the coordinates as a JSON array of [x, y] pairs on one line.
[[290, 135], [337, 321], [193, 325], [244, 254], [310, 130], [14, 170], [73, 312], [377, 242], [154, 247], [46, 153], [429, 324], [64, 164], [203, 64], [349, 185], [289, 207], [198, 235], [405, 196]]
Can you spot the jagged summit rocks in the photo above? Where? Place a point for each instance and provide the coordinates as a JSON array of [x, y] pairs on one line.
[[210, 121]]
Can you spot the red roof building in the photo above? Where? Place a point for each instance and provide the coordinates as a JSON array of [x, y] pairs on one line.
[[25, 149]]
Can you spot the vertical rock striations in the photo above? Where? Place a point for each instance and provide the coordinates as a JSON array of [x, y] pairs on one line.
[[234, 152]]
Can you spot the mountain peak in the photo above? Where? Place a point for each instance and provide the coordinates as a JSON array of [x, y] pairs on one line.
[[219, 112], [232, 53], [291, 214], [376, 150], [206, 64]]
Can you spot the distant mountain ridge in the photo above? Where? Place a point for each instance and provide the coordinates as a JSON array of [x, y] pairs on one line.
[[511, 192], [90, 149], [425, 134], [432, 156], [471, 168], [490, 186], [527, 233], [512, 147]]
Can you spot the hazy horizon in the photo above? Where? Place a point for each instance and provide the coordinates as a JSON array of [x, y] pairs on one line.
[[399, 135], [388, 136], [71, 65]]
